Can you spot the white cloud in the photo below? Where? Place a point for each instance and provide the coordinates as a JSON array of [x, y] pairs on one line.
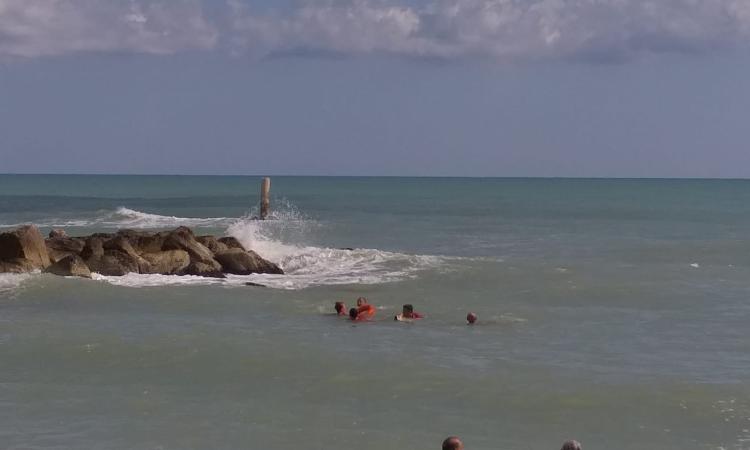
[[498, 29], [33, 28], [492, 29]]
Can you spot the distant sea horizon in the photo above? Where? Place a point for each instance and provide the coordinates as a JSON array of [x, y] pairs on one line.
[[521, 177]]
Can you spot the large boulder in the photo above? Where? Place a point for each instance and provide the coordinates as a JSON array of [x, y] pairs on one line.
[[212, 243], [212, 269], [93, 248], [183, 239], [114, 263], [24, 243], [122, 245], [168, 262], [231, 242], [143, 241], [17, 265], [70, 266], [240, 262], [57, 233], [60, 247]]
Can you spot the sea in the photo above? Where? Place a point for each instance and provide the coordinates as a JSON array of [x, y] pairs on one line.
[[611, 311]]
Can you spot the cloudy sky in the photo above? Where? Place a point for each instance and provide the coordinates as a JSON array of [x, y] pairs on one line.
[[376, 87]]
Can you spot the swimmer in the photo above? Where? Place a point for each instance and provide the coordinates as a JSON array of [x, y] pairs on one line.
[[361, 301], [453, 443], [340, 308], [471, 318], [364, 312], [407, 314], [571, 445]]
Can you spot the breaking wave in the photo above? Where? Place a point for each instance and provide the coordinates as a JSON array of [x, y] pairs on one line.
[[285, 240], [123, 217], [306, 265]]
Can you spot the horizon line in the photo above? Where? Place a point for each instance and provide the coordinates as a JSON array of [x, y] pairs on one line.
[[510, 177]]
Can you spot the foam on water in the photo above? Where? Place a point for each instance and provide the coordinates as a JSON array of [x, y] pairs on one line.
[[304, 265], [11, 282], [123, 217]]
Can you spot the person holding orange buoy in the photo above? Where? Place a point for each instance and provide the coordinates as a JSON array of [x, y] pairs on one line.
[[363, 312]]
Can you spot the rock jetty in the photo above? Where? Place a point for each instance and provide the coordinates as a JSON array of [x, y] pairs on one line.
[[175, 252]]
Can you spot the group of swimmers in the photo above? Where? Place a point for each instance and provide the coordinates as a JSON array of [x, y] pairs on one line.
[[365, 311], [454, 443]]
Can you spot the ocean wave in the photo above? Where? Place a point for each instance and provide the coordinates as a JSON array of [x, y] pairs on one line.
[[123, 217], [282, 240], [313, 267]]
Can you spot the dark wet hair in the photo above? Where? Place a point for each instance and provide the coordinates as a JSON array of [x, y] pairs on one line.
[[571, 445], [409, 308], [338, 307], [353, 313], [452, 443]]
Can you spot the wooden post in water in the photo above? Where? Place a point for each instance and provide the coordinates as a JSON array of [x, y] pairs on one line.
[[265, 202]]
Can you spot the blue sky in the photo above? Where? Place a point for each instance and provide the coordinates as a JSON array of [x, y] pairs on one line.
[[370, 87]]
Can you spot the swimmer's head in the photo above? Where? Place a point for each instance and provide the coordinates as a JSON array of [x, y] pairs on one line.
[[453, 443], [407, 310], [571, 445], [353, 313], [471, 318], [361, 301], [339, 307]]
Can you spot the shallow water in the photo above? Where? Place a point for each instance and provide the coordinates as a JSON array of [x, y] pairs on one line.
[[612, 311]]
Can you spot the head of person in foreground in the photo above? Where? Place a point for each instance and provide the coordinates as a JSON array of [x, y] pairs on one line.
[[407, 312], [571, 445], [453, 443]]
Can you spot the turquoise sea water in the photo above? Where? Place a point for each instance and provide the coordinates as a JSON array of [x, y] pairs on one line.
[[612, 311]]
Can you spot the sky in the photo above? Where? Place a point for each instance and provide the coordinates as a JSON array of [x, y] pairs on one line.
[[572, 88]]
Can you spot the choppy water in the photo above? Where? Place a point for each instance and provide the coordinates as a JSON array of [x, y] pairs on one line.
[[612, 311]]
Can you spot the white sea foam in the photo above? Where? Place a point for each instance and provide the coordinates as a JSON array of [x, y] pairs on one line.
[[151, 280], [11, 282], [123, 217], [283, 240], [305, 265]]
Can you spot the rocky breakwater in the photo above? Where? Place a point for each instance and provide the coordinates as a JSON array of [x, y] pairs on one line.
[[176, 252]]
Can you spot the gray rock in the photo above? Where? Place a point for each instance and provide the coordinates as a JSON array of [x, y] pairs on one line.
[[231, 242], [93, 248], [113, 263], [204, 270], [212, 243], [239, 262], [183, 239], [60, 247], [70, 266], [177, 252], [57, 233], [122, 245], [24, 243], [168, 262], [143, 241], [17, 265]]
